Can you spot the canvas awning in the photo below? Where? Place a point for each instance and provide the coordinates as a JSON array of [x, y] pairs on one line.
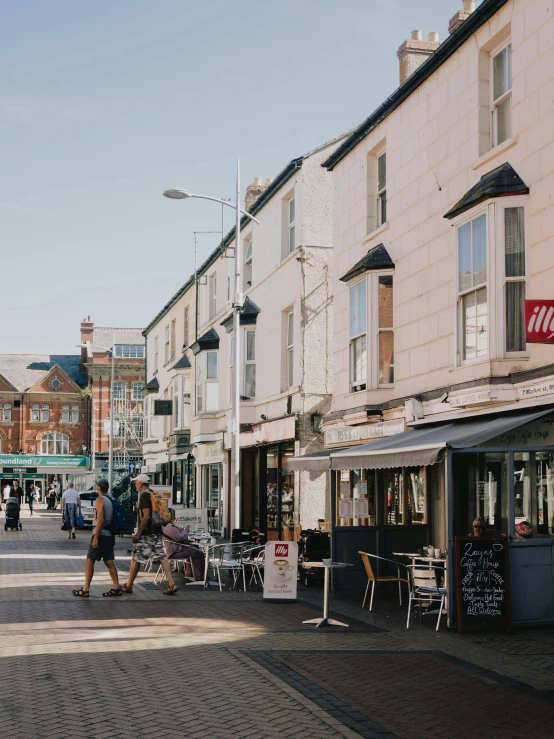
[[314, 462], [425, 446]]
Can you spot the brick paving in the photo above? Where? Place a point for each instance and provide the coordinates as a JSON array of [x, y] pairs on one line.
[[228, 665]]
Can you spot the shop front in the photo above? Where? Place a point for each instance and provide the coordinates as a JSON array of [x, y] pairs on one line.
[[427, 485], [209, 462], [28, 469]]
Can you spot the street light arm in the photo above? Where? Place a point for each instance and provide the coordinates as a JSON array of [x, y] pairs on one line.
[[187, 194]]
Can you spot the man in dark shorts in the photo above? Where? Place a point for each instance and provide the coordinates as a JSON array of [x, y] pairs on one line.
[[102, 543], [147, 542]]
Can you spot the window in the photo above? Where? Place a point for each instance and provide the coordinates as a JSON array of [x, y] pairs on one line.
[[75, 414], [65, 414], [138, 427], [291, 224], [385, 330], [35, 412], [381, 189], [186, 327], [207, 384], [472, 289], [250, 365], [185, 418], [404, 491], [54, 443], [502, 95], [212, 297], [172, 340], [119, 390], [290, 349], [175, 405], [155, 355], [130, 352], [44, 413], [166, 345], [358, 336], [138, 390], [6, 412], [247, 279], [228, 289], [514, 275]]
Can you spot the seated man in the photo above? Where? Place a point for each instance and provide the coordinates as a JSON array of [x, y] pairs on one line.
[[178, 546]]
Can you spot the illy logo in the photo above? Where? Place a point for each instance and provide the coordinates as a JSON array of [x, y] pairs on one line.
[[281, 550], [539, 321]]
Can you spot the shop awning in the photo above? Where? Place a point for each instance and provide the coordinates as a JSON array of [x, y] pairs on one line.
[[425, 446], [314, 462]]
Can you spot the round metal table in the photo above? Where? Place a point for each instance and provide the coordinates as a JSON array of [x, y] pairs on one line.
[[328, 566]]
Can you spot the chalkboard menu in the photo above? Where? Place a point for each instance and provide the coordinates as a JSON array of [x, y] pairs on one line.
[[482, 582]]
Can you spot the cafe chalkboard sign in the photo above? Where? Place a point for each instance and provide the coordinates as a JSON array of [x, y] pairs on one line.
[[482, 582]]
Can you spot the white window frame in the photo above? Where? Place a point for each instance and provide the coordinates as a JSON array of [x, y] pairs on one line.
[[186, 326], [117, 387], [6, 412], [44, 413], [54, 438], [166, 345], [35, 413], [289, 348], [207, 395], [186, 414], [249, 362], [138, 394], [172, 338], [176, 415], [212, 296], [373, 304], [138, 423], [381, 192], [129, 351], [291, 224], [496, 280], [247, 277], [360, 384], [75, 414], [65, 413], [155, 354], [495, 103]]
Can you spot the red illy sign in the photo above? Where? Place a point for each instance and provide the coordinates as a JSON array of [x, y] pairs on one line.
[[539, 321], [281, 550]]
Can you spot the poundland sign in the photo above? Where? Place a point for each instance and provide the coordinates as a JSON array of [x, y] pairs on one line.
[[28, 460]]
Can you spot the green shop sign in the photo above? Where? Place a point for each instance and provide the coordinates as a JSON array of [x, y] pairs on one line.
[[29, 460]]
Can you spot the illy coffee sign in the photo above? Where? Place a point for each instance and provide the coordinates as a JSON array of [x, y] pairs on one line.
[[539, 321], [280, 570]]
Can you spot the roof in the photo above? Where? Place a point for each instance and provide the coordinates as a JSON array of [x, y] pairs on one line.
[[152, 386], [448, 47], [500, 182], [209, 340], [183, 363], [25, 370], [104, 336], [376, 258], [248, 316]]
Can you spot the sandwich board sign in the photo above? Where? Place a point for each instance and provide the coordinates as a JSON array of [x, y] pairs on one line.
[[281, 570]]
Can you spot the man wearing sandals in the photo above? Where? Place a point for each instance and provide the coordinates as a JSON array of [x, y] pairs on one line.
[[147, 542], [102, 543]]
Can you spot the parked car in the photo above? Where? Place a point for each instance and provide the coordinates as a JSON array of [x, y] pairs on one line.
[[88, 508]]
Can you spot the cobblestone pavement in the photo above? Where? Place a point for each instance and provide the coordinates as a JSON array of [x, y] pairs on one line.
[[226, 665]]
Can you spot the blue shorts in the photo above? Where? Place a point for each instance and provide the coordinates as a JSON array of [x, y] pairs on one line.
[[104, 550]]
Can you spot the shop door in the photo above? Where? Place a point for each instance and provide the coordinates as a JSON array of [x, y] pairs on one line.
[[214, 491], [280, 494]]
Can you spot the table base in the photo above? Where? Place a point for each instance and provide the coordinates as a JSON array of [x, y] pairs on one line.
[[325, 622]]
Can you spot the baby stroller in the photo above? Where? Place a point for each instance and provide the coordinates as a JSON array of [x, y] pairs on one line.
[[12, 515], [314, 546]]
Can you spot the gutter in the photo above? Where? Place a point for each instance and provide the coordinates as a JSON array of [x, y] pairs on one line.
[[456, 39]]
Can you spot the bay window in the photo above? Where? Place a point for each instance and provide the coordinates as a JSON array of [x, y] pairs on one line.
[[185, 416], [207, 382], [385, 330], [514, 276], [472, 288], [358, 336], [250, 364]]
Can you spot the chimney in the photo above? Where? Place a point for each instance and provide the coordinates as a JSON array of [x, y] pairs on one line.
[[413, 52], [462, 15], [254, 191], [87, 336]]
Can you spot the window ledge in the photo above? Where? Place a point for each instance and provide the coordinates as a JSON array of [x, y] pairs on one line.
[[494, 152], [376, 232]]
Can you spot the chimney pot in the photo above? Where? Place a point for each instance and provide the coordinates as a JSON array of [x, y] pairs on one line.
[[417, 35], [415, 51], [433, 37]]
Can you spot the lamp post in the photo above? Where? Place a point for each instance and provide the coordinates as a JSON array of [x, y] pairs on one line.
[[238, 302], [112, 380]]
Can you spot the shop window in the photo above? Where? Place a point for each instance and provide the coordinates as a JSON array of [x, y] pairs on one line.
[[481, 489], [250, 365], [356, 498], [54, 443], [405, 496]]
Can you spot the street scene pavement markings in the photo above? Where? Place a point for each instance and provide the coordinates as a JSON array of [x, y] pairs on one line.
[[226, 665]]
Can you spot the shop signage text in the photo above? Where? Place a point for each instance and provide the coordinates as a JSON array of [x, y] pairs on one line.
[[29, 460], [483, 396], [368, 431], [539, 321], [210, 453], [534, 391]]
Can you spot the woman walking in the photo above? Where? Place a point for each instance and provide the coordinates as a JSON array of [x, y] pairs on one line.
[[31, 495], [71, 507]]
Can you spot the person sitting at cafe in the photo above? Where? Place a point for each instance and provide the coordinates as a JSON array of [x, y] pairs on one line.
[[479, 527], [178, 546], [523, 531]]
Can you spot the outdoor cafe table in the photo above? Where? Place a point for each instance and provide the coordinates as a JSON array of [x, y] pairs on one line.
[[328, 565]]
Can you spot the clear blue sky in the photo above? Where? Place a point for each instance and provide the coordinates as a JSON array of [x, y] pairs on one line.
[[104, 105]]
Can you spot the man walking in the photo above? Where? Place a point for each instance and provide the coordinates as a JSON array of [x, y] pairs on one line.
[[71, 507], [147, 543], [102, 543]]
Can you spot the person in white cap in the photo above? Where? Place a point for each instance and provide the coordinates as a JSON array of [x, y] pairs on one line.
[[147, 543]]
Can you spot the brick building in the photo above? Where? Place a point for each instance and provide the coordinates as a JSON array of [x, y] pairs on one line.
[[128, 391], [44, 418]]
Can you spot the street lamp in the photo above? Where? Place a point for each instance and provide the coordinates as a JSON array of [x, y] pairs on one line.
[[110, 448], [238, 302]]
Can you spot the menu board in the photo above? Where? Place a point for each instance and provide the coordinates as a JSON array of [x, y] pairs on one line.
[[346, 508], [482, 582]]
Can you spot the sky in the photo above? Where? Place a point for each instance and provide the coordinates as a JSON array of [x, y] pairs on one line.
[[104, 105]]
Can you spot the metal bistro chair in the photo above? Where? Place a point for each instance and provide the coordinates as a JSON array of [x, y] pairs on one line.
[[424, 588], [253, 559], [373, 578], [227, 558]]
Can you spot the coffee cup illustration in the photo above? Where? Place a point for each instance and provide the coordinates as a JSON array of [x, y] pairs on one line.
[[283, 568]]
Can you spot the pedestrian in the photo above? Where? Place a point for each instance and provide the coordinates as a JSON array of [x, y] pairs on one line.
[[71, 507], [31, 497], [147, 542], [7, 492], [17, 492], [102, 543]]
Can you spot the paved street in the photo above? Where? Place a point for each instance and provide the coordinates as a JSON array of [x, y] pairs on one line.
[[205, 664]]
